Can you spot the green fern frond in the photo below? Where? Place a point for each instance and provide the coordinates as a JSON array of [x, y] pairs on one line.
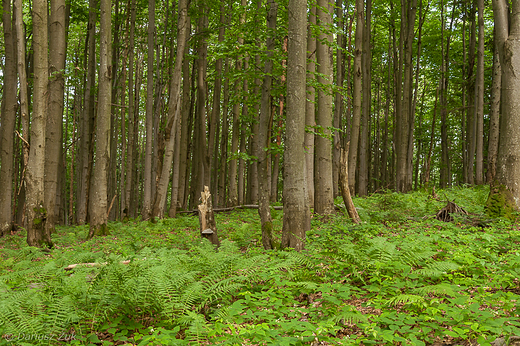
[[405, 299], [440, 289], [437, 269]]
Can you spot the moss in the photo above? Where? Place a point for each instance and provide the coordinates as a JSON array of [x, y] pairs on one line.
[[99, 230], [500, 202], [267, 235]]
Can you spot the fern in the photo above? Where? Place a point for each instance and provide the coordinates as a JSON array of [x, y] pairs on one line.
[[440, 289], [405, 299], [437, 269]]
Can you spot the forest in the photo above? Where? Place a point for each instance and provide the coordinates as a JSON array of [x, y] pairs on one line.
[[353, 164]]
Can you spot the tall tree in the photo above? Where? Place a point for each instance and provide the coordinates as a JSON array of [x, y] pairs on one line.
[[479, 98], [364, 145], [323, 190], [87, 118], [53, 142], [173, 112], [37, 234], [263, 133], [310, 106], [296, 217], [494, 118], [357, 96], [98, 196], [508, 41], [147, 189], [8, 120]]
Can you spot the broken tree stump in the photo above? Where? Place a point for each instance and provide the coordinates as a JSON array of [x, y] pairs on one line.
[[450, 208], [343, 184], [208, 226]]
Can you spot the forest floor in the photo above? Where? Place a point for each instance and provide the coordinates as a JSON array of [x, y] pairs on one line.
[[401, 277]]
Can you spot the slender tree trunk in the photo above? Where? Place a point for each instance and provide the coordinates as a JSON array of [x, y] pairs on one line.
[[87, 122], [147, 197], [310, 108], [99, 198], [223, 166], [479, 98], [494, 118], [364, 147], [243, 130], [130, 143], [471, 119], [338, 100], [9, 106], [235, 136], [173, 112], [263, 131], [37, 234], [53, 143], [24, 101], [324, 198], [296, 216], [357, 96]]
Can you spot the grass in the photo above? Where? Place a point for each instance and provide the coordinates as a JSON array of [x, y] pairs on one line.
[[401, 277]]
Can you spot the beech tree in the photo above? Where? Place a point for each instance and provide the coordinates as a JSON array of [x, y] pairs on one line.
[[507, 34], [8, 121], [296, 217], [98, 195]]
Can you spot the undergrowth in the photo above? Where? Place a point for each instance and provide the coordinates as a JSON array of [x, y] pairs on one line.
[[401, 277]]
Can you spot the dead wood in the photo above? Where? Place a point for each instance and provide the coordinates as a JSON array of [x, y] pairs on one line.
[[72, 266], [343, 184], [208, 226], [445, 213]]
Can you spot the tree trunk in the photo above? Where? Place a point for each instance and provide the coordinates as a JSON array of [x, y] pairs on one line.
[[296, 216], [310, 106], [223, 165], [173, 113], [479, 98], [24, 101], [357, 96], [8, 120], [147, 197], [494, 118], [87, 121], [53, 143], [338, 99], [364, 147], [37, 234], [261, 152], [323, 197], [508, 165], [98, 197], [130, 143], [345, 191]]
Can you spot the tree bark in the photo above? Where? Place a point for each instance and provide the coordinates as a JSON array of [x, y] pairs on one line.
[[87, 120], [323, 196], [479, 98], [147, 189], [296, 217], [343, 183], [508, 164], [357, 96], [364, 147], [261, 151], [173, 112], [9, 106], [53, 143], [37, 234], [98, 197], [494, 118], [310, 106]]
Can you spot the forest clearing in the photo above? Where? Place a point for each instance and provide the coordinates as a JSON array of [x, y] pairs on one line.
[[400, 277]]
